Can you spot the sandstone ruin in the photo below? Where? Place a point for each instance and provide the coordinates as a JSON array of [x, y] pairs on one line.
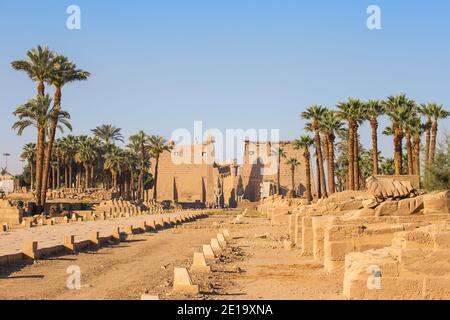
[[388, 242]]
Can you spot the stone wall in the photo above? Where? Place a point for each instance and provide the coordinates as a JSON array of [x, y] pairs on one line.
[[417, 266]]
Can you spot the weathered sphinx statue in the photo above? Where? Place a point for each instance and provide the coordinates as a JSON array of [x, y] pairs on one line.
[[390, 188]]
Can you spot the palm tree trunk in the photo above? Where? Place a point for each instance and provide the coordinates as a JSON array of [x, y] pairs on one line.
[[114, 179], [53, 178], [409, 153], [319, 187], [58, 173], [330, 163], [320, 160], [351, 162], [417, 154], [374, 126], [86, 169], [307, 157], [51, 139], [427, 144], [398, 149], [356, 157], [70, 176], [92, 175], [39, 164], [293, 180], [31, 164], [132, 184], [155, 180], [434, 131]]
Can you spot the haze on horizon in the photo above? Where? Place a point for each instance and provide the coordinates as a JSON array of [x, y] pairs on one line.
[[159, 66]]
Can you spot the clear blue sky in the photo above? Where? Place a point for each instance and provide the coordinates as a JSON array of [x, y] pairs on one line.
[[160, 65]]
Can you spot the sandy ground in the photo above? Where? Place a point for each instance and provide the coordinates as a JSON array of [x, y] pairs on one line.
[[250, 268]]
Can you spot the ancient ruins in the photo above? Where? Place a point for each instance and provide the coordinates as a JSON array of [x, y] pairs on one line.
[[388, 242]]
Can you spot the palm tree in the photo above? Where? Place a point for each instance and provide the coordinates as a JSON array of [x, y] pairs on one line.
[[86, 155], [315, 114], [58, 152], [438, 112], [387, 167], [293, 163], [410, 128], [425, 111], [108, 133], [113, 163], [39, 67], [139, 142], [416, 129], [304, 143], [29, 155], [399, 109], [64, 73], [158, 145], [373, 110], [132, 162], [37, 113], [69, 146], [279, 153], [352, 112], [330, 125]]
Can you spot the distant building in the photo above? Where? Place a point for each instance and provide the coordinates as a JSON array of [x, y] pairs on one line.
[[190, 176]]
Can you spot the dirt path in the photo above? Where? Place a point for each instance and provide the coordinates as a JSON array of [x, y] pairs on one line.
[[121, 272], [271, 272], [251, 268]]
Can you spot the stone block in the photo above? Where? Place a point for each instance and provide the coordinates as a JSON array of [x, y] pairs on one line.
[[208, 252], [336, 251], [30, 250], [115, 234], [438, 202], [216, 247], [226, 234], [343, 232], [143, 226], [69, 243], [129, 231], [199, 263], [436, 288], [222, 241], [349, 205], [387, 208], [182, 282], [94, 237], [307, 236]]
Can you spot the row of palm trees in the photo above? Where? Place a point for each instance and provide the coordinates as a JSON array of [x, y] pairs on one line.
[[96, 161], [49, 155], [409, 122]]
